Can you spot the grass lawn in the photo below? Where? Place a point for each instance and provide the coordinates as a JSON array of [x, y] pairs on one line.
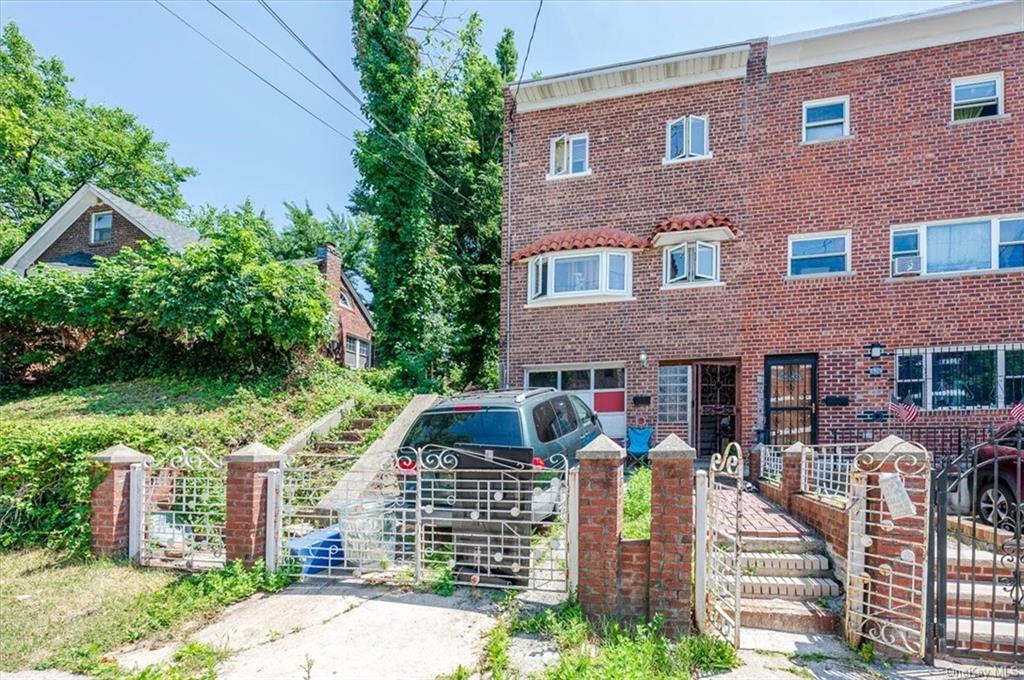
[[636, 505], [67, 612]]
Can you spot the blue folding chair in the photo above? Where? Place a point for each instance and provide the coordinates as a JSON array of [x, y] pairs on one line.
[[638, 443]]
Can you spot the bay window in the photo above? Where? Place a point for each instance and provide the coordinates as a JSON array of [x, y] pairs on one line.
[[959, 378], [597, 274], [963, 246]]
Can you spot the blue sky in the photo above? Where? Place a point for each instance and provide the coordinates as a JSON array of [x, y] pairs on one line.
[[248, 141]]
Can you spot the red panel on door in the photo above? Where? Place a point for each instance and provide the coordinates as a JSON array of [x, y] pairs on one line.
[[610, 402]]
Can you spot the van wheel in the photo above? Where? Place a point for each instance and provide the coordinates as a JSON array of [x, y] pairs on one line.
[[996, 504]]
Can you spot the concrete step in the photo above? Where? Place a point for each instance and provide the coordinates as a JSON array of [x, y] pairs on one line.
[[983, 635], [801, 544], [791, 616], [985, 599], [350, 436], [330, 446], [385, 408], [789, 587], [362, 424], [784, 564]]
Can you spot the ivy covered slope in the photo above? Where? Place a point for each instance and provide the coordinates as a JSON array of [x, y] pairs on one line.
[[47, 441]]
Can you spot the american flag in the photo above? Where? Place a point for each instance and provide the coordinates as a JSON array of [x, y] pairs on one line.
[[906, 411], [1017, 412]]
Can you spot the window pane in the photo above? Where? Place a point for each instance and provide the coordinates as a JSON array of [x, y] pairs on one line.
[[677, 264], [819, 265], [536, 379], [818, 114], [819, 246], [959, 247], [565, 416], [579, 155], [910, 367], [705, 261], [673, 382], [831, 131], [616, 272], [576, 380], [1011, 230], [104, 221], [966, 112], [964, 379], [496, 428], [677, 140], [561, 152], [698, 145], [974, 91], [577, 274], [904, 242], [910, 392], [540, 277], [1014, 382], [609, 378], [1011, 256], [544, 421]]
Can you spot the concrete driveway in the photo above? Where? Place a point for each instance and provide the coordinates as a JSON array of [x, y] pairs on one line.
[[342, 631]]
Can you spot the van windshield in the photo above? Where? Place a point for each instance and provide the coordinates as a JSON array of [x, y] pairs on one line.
[[495, 428]]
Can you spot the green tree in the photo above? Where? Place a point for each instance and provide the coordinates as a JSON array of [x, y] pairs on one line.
[[51, 143], [212, 222]]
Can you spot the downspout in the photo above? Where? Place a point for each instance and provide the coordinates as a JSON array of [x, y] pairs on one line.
[[507, 378]]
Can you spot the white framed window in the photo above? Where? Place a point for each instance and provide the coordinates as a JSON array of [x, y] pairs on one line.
[[826, 119], [589, 273], [963, 246], [357, 352], [961, 378], [345, 300], [690, 263], [674, 393], [101, 227], [975, 97], [819, 254], [686, 138], [570, 155]]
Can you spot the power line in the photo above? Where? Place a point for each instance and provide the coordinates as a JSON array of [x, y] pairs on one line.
[[412, 153], [529, 44]]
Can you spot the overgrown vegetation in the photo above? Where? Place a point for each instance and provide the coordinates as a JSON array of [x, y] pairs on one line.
[[47, 441], [61, 611], [636, 505], [617, 652]]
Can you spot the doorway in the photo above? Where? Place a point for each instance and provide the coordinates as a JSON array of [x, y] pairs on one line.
[[791, 399], [716, 406]]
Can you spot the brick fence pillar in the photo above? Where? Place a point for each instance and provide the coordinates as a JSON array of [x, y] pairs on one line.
[[754, 465], [245, 533], [600, 525], [789, 485], [111, 500], [671, 593]]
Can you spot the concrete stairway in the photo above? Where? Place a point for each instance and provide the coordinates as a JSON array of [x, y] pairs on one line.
[[980, 613]]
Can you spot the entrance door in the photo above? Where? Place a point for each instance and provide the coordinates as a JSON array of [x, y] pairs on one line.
[[716, 407], [791, 399]]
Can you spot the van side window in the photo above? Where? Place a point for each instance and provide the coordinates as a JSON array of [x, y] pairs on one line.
[[582, 412], [544, 421], [565, 416]]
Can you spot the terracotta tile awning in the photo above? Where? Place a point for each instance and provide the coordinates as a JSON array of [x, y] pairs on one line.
[[577, 239], [693, 221]]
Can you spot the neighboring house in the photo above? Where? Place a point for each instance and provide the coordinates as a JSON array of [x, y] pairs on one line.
[[766, 240], [94, 222], [355, 323]]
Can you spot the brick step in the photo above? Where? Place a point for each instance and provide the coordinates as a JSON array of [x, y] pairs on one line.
[[986, 600], [784, 564], [802, 544], [982, 635], [385, 408], [789, 587], [791, 616], [982, 570], [362, 424], [330, 446], [349, 436]]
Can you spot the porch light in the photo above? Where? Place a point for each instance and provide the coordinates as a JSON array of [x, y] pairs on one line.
[[643, 359]]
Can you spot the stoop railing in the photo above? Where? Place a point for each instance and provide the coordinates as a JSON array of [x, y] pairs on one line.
[[771, 463], [825, 471]]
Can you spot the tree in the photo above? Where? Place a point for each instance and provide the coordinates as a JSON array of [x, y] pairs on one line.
[[211, 223], [353, 238], [51, 143]]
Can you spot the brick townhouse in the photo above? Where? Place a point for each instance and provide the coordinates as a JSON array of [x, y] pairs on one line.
[[774, 239]]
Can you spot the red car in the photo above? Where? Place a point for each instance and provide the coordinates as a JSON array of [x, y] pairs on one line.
[[999, 470]]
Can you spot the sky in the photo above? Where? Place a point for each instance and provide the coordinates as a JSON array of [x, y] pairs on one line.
[[247, 141]]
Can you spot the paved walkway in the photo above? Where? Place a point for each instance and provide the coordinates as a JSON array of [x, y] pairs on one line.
[[760, 518]]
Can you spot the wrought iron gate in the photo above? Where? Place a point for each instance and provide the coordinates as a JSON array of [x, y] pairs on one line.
[[977, 556], [447, 515], [724, 544]]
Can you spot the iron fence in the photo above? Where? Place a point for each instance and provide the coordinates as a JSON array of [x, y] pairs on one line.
[[771, 463], [825, 471], [942, 441]]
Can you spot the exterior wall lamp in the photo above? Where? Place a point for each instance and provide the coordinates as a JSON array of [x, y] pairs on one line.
[[643, 359]]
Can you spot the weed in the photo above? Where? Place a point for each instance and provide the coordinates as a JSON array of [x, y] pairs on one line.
[[636, 505], [307, 667], [798, 671], [750, 570], [866, 652], [823, 602], [813, 657], [460, 673], [496, 656]]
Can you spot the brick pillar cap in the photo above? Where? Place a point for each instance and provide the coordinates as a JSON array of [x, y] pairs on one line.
[[894, 445], [256, 452], [601, 448], [119, 454], [673, 447], [795, 449]]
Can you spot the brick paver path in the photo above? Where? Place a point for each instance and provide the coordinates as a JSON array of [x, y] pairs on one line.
[[760, 518]]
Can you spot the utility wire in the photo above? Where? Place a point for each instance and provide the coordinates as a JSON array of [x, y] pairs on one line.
[[412, 153], [529, 44]]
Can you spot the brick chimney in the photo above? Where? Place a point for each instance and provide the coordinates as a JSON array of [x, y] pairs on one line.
[[330, 267]]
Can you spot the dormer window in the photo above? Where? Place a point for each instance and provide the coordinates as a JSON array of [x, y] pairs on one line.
[[570, 155], [686, 138], [102, 227]]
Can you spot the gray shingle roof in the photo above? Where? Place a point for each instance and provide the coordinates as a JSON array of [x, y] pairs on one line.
[[177, 236]]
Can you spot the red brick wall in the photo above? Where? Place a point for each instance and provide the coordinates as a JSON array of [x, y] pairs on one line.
[[903, 163], [109, 517], [76, 237], [245, 531], [350, 319], [829, 520], [633, 583]]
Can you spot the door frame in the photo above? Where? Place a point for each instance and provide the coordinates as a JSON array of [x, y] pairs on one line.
[[693, 398], [791, 360]]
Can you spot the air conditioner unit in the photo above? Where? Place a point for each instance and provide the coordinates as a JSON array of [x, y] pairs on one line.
[[906, 265]]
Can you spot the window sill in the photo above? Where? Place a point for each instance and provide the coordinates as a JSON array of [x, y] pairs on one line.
[[578, 300], [955, 275], [695, 284], [688, 159], [816, 142], [968, 121], [570, 175], [101, 243], [813, 277]]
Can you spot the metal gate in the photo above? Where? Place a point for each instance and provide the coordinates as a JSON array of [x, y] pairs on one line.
[[724, 544], [978, 554], [477, 516]]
